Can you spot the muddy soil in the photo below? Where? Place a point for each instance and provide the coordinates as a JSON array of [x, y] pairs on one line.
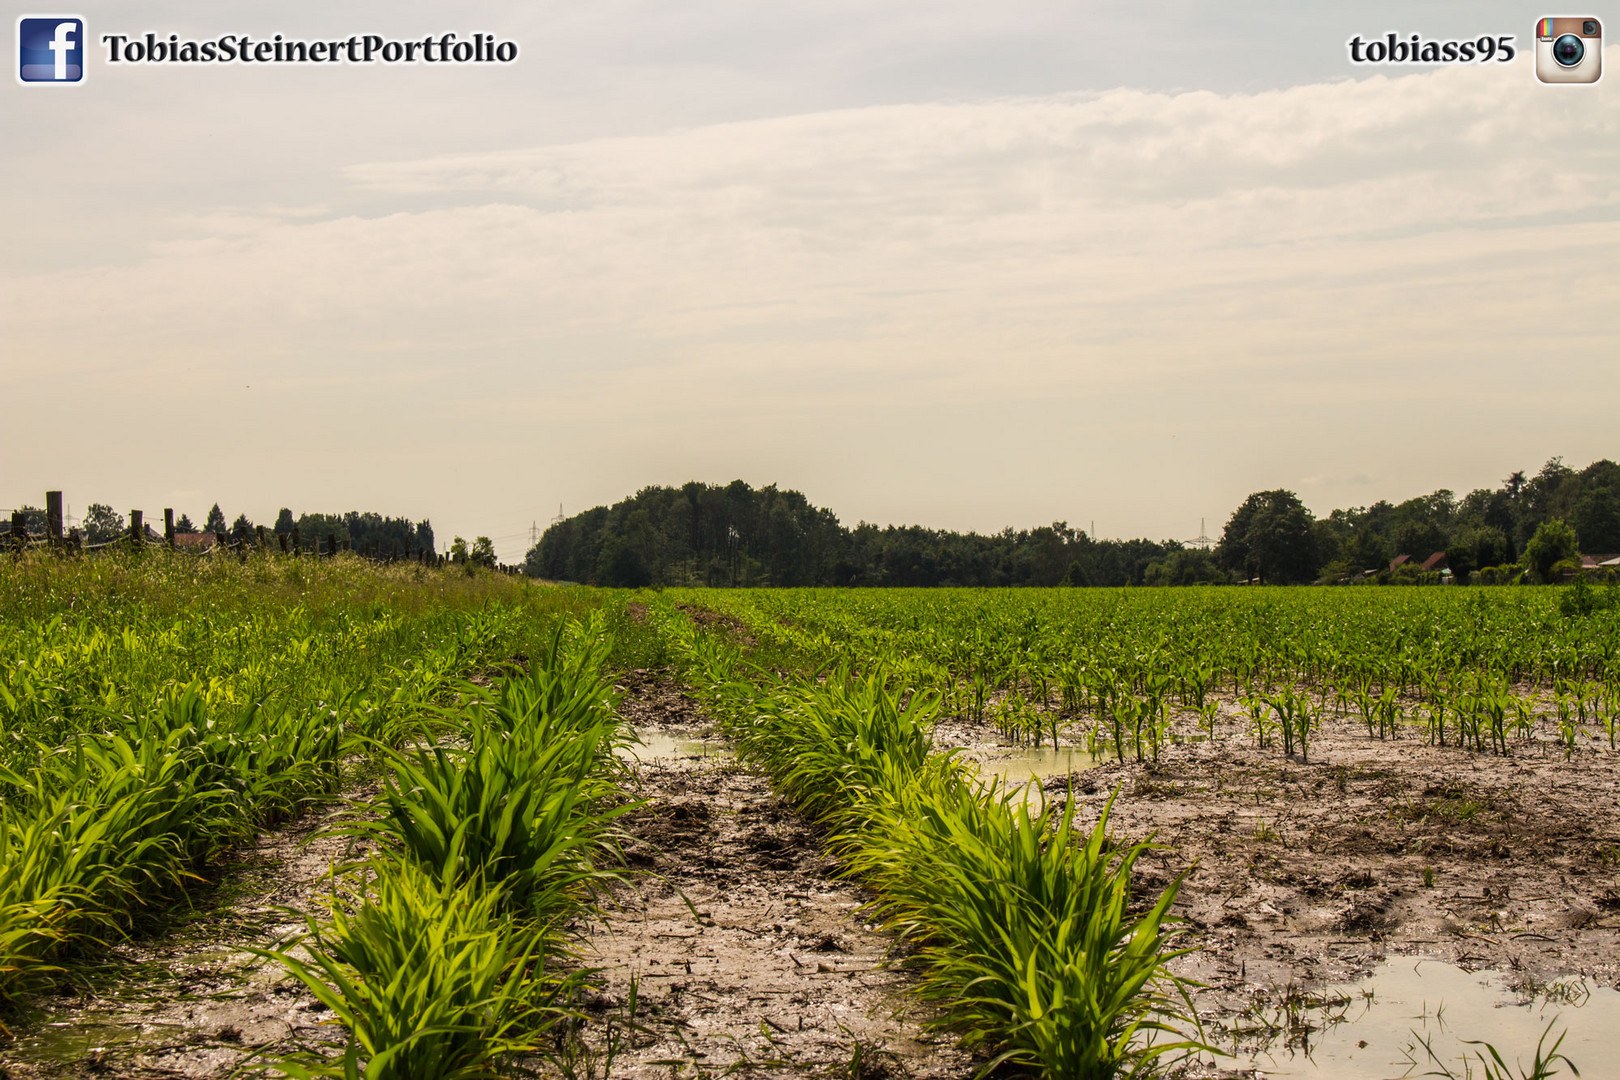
[[187, 999], [745, 951], [1304, 874]]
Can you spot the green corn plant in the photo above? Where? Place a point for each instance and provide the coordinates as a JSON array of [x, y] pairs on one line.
[[1495, 701], [1543, 1066], [1027, 943], [429, 979], [1260, 722], [1293, 711], [1524, 718], [1132, 715], [1367, 704], [1389, 713]]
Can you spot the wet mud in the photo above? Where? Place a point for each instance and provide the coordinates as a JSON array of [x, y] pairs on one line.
[[746, 953], [1301, 875]]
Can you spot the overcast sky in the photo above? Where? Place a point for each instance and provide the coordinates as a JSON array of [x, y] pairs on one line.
[[952, 263]]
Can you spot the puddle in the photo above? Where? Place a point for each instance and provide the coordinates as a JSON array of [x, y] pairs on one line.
[[66, 1040], [670, 746], [1365, 1030], [1020, 765]]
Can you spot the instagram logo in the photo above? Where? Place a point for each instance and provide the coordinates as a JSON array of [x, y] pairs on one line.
[[1569, 50]]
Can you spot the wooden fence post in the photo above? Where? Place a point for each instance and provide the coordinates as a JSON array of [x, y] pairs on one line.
[[137, 528], [168, 526], [331, 544], [347, 545], [282, 539], [19, 532], [297, 542], [53, 519], [258, 533]]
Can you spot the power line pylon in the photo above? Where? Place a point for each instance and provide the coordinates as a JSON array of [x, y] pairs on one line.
[[1203, 540]]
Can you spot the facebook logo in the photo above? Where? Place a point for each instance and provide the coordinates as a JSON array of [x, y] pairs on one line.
[[50, 49]]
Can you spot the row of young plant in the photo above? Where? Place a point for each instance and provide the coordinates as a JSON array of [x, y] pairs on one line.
[[155, 714], [446, 953], [1119, 666], [1028, 935]]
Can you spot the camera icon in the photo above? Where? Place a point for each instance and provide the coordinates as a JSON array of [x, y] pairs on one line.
[[1569, 50]]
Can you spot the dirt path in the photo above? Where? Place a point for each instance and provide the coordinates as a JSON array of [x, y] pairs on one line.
[[773, 972], [188, 999]]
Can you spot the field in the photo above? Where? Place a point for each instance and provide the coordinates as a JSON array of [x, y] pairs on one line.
[[311, 816]]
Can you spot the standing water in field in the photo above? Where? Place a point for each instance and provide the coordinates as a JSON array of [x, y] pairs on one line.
[[668, 746], [1370, 1030], [1020, 765]]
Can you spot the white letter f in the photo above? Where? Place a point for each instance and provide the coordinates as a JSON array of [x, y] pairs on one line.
[[61, 45]]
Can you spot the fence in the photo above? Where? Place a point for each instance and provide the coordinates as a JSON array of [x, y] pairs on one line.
[[138, 536]]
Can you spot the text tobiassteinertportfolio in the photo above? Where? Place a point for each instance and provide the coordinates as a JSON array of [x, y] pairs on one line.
[[355, 49]]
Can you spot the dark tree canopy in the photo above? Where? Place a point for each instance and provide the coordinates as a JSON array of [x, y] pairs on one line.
[[102, 523], [1270, 537], [733, 534], [363, 530], [707, 534], [215, 522]]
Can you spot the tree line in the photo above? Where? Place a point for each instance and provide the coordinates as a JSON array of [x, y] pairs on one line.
[[1528, 525], [101, 524], [738, 535]]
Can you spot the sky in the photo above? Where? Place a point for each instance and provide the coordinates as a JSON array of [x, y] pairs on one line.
[[955, 264]]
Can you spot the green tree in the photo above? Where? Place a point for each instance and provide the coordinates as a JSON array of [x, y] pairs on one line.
[[1554, 542], [1270, 537], [458, 551], [1597, 521], [184, 525], [1185, 566], [102, 523], [216, 521], [482, 553], [284, 521], [241, 528]]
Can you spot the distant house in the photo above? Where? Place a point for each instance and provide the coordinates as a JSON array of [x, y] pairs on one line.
[[1437, 561], [1593, 562], [1399, 560], [195, 541]]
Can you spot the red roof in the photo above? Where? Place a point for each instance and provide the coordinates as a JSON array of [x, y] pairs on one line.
[[1433, 561], [1399, 560]]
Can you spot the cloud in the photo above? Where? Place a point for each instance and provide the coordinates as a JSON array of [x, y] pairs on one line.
[[1126, 263], [886, 220]]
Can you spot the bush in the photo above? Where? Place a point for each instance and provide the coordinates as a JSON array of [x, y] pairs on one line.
[[1554, 543]]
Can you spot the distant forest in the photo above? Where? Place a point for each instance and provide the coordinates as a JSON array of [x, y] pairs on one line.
[[102, 523], [737, 535]]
